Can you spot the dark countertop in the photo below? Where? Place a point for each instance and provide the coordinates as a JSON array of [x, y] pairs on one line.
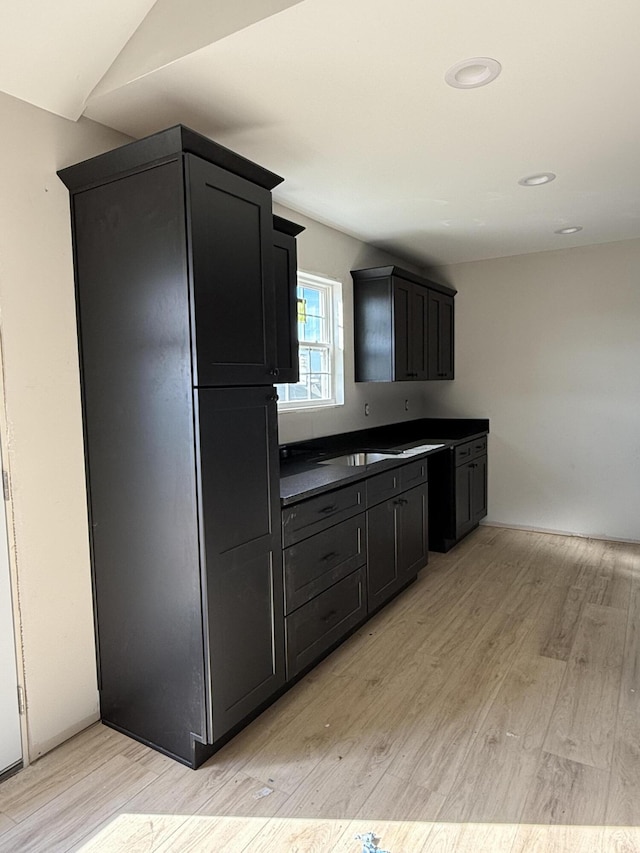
[[302, 476]]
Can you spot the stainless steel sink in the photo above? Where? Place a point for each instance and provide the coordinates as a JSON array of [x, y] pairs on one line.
[[361, 458], [369, 457]]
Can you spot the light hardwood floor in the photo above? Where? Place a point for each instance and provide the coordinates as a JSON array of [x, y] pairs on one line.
[[493, 707]]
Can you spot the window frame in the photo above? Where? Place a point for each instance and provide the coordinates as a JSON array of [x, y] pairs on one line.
[[332, 289]]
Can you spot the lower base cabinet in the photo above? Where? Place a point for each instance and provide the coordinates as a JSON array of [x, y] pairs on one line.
[[397, 530], [397, 544], [459, 477], [347, 552]]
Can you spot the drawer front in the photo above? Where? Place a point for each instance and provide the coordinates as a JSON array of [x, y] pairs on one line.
[[413, 474], [318, 562], [479, 447], [470, 449], [320, 623], [316, 514], [383, 486]]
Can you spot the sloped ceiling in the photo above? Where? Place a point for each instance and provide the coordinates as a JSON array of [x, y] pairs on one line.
[[53, 54], [346, 99]]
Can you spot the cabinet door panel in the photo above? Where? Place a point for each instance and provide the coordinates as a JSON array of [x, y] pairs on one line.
[[230, 227], [441, 341], [402, 292], [284, 260], [479, 488], [464, 508], [413, 543], [420, 332], [242, 550], [382, 557]]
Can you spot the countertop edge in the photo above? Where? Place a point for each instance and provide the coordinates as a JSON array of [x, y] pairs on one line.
[[325, 478]]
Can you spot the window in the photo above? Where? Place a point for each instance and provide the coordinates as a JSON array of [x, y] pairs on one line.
[[320, 346]]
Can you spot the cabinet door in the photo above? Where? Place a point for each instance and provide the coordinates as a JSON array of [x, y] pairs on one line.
[[402, 329], [231, 246], [242, 550], [410, 319], [382, 556], [464, 505], [419, 332], [479, 488], [413, 537], [441, 341], [285, 277]]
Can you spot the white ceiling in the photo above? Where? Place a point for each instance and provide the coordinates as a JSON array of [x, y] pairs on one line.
[[346, 100]]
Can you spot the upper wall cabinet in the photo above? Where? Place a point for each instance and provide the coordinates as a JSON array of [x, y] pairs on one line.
[[285, 269], [403, 326], [215, 215]]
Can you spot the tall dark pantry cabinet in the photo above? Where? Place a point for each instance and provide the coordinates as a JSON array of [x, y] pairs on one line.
[[173, 252]]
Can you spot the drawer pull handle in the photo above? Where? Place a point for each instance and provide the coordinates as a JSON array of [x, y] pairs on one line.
[[329, 616], [331, 508], [330, 556], [401, 502]]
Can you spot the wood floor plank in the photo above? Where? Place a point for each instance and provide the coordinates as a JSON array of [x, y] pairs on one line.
[[559, 839], [565, 792], [607, 578], [395, 799], [135, 833], [621, 839], [303, 835], [558, 620], [178, 791], [507, 749], [290, 755], [447, 719], [79, 810], [245, 795], [583, 722], [360, 753], [469, 838], [44, 780], [624, 787], [201, 834], [5, 824]]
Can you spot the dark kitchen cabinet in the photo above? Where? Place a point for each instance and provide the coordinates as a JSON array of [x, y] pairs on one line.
[[441, 331], [403, 330], [173, 254], [285, 269], [239, 474], [471, 495], [459, 476], [397, 531], [324, 573]]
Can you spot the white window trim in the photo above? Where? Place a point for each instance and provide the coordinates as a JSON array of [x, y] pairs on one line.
[[336, 347]]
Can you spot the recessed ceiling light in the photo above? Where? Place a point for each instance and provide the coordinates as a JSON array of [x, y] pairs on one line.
[[571, 229], [537, 180], [471, 73]]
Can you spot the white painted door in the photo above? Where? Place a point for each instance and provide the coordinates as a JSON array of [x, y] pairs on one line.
[[10, 742]]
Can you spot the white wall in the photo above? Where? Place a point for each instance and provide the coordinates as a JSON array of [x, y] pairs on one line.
[[45, 457], [548, 348], [325, 251]]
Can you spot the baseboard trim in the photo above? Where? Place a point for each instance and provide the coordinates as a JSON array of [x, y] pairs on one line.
[[525, 527]]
